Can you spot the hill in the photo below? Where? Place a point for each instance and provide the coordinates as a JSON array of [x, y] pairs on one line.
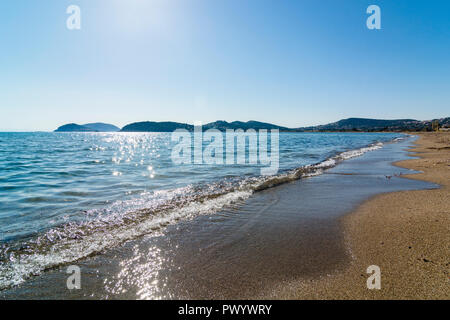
[[73, 127], [345, 125], [150, 126], [102, 127], [224, 125], [90, 127], [362, 124]]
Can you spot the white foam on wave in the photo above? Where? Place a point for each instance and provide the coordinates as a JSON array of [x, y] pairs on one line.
[[359, 152], [327, 163], [333, 161], [18, 269]]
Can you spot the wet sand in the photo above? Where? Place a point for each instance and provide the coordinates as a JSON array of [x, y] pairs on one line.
[[277, 244], [406, 233]]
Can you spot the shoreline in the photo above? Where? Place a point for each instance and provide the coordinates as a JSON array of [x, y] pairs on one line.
[[284, 177], [266, 247], [405, 233]]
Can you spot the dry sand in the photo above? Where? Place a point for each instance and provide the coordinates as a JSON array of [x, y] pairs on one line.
[[406, 234]]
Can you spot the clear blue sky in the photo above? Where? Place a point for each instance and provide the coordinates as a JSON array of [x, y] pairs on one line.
[[292, 63]]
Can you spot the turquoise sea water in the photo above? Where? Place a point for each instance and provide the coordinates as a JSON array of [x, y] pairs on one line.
[[64, 196]]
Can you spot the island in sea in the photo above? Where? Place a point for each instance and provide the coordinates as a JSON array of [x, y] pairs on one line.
[[90, 127]]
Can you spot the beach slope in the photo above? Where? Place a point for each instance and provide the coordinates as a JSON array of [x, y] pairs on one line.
[[406, 234]]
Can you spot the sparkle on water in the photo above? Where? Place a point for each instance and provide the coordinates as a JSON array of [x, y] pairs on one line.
[[69, 195]]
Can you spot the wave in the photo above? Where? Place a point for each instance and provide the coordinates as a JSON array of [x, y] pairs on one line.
[[315, 169], [130, 219]]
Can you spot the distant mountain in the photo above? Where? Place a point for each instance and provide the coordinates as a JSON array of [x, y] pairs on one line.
[[345, 125], [362, 124], [150, 126], [102, 127], [90, 127], [73, 127], [223, 125]]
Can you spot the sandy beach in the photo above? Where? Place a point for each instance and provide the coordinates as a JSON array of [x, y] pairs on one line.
[[406, 234]]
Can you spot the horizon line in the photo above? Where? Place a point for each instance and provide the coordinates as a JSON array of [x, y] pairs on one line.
[[52, 130]]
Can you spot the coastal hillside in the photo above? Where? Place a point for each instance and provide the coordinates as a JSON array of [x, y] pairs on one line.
[[90, 127], [150, 126], [224, 125], [102, 127], [73, 127], [350, 124], [345, 125], [365, 124], [362, 124]]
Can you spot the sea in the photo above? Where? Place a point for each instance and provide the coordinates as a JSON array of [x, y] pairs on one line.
[[65, 197]]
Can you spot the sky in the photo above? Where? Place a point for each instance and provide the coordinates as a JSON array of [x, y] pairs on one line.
[[292, 63]]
